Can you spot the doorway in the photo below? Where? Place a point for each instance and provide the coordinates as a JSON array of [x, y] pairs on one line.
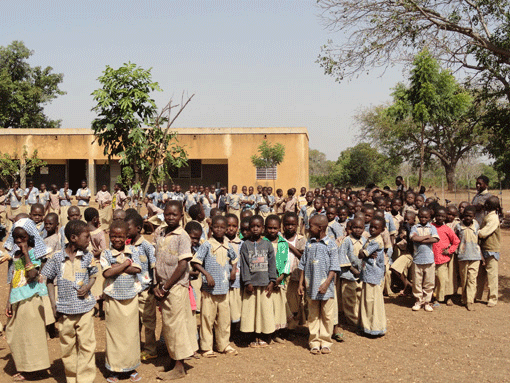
[[76, 171]]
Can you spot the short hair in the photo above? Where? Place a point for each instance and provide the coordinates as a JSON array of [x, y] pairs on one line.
[[194, 211], [244, 220], [175, 203], [381, 220], [37, 206], [290, 192], [484, 178], [470, 208], [131, 211], [119, 224], [73, 208], [214, 211], [492, 202], [218, 218], [256, 217], [74, 228], [290, 214], [273, 217], [231, 216], [424, 209], [90, 213], [377, 200], [193, 226], [135, 218], [51, 216]]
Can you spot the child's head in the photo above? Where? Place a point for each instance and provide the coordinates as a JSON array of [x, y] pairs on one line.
[[118, 234], [256, 227], [37, 212], [232, 225], [244, 228], [196, 212], [331, 213], [118, 215], [83, 184], [51, 223], [316, 192], [135, 225], [343, 213], [419, 201], [429, 200], [362, 195], [20, 236], [43, 187], [290, 224], [318, 204], [462, 206], [357, 227], [380, 203], [468, 215], [482, 183], [215, 211], [369, 213], [492, 204], [291, 192], [318, 225], [54, 188], [302, 191], [250, 190], [279, 193], [73, 213], [234, 189], [104, 188], [309, 197], [246, 213], [332, 201], [424, 215], [219, 227], [396, 205], [451, 213], [410, 198], [78, 234], [440, 215], [272, 227], [91, 216], [194, 230], [351, 206], [377, 226], [410, 217], [173, 214], [259, 189], [244, 189]]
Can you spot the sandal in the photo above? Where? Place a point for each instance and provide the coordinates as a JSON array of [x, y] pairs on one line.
[[144, 355], [18, 377], [209, 354], [254, 345], [339, 337], [326, 350], [262, 343], [135, 377], [230, 351], [112, 379], [315, 351]]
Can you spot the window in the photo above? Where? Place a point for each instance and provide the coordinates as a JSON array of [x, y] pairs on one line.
[[193, 170], [267, 173]]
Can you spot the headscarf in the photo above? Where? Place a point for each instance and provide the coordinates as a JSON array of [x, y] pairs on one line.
[[29, 226]]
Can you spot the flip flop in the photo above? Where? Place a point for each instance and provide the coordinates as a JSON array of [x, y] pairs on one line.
[[262, 343], [339, 337], [254, 345], [315, 351], [135, 377], [18, 377], [230, 351], [209, 354], [326, 350], [112, 379]]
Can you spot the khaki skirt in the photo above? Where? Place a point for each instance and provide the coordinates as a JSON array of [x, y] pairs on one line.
[[372, 318], [351, 297], [122, 334], [281, 308], [26, 335], [235, 302], [257, 313]]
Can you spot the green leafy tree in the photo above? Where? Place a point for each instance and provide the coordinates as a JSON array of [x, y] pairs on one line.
[[321, 170], [129, 126], [24, 90], [14, 166], [270, 156], [433, 116]]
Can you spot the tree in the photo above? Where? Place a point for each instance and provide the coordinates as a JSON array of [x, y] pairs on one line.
[[321, 171], [24, 90], [270, 156], [434, 116], [363, 164], [469, 34], [125, 110], [12, 166]]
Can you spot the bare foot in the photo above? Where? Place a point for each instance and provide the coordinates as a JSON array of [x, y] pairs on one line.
[[176, 373], [449, 302]]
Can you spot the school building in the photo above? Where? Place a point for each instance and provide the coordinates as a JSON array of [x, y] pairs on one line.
[[219, 156]]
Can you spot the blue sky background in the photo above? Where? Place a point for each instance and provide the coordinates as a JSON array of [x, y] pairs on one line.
[[250, 63]]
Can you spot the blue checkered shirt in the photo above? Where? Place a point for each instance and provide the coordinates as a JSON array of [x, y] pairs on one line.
[[372, 269], [70, 277], [215, 258], [320, 257], [146, 254], [123, 286], [347, 253], [64, 201], [423, 254], [334, 230]]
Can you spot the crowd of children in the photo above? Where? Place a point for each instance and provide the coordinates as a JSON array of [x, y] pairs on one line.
[[240, 266]]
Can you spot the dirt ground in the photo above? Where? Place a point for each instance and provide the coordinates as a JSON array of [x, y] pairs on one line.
[[448, 345]]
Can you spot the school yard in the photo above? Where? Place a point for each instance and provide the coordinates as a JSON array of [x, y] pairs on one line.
[[448, 345]]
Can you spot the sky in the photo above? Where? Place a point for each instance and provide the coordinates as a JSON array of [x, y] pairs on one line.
[[249, 63]]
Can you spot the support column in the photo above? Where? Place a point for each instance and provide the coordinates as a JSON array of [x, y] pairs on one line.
[[91, 176]]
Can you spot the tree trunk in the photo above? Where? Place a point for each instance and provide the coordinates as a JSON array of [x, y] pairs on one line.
[[450, 175], [422, 155]]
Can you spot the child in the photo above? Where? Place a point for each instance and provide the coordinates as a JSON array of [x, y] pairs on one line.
[[233, 202], [235, 286], [490, 244], [73, 214], [334, 230], [423, 236], [74, 271], [119, 198], [279, 202], [318, 266], [104, 200], [279, 294], [409, 203], [146, 300], [54, 200], [305, 212], [452, 216], [52, 240], [120, 268], [264, 204], [25, 306], [258, 273], [469, 255], [349, 277], [173, 252], [195, 232], [443, 252], [213, 260], [296, 248], [291, 202], [372, 318], [64, 196], [404, 245], [196, 213], [43, 197], [37, 215], [83, 196]]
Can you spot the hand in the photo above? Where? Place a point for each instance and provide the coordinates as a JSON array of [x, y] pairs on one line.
[[8, 310], [269, 289], [210, 280], [301, 290], [83, 291], [445, 252], [361, 254], [323, 288], [249, 289], [23, 246], [158, 292], [355, 272], [232, 276]]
